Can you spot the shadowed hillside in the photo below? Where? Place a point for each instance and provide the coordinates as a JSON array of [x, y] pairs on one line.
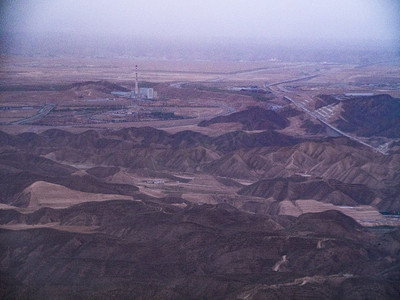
[[348, 172], [254, 118], [371, 116], [199, 251], [146, 214], [295, 188]]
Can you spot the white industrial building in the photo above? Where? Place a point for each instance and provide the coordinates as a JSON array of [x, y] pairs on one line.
[[147, 93], [137, 93]]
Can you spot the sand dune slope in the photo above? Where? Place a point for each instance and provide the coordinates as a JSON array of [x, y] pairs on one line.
[[45, 194]]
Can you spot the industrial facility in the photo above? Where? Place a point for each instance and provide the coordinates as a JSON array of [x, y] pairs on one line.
[[142, 93]]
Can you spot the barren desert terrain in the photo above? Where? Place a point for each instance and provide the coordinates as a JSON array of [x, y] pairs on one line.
[[240, 180]]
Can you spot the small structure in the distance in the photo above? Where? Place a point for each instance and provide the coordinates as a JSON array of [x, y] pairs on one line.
[[99, 99], [122, 94], [252, 89], [348, 96], [154, 181], [148, 93], [140, 93], [359, 94], [143, 93]]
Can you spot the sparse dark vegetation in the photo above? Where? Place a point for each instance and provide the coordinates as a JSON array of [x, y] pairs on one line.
[[313, 128], [254, 118], [165, 115]]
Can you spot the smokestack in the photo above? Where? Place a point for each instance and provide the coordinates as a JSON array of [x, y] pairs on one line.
[[136, 83]]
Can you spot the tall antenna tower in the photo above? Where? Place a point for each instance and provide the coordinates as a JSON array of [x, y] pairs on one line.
[[136, 83]]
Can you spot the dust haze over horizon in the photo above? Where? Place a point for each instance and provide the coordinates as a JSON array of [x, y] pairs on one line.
[[375, 23]]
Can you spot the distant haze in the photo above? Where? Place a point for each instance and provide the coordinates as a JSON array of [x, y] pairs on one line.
[[258, 19], [203, 29]]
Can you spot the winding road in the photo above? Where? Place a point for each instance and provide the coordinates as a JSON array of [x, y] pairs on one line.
[[314, 115], [44, 111]]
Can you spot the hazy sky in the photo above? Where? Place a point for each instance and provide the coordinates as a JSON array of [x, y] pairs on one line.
[[258, 19]]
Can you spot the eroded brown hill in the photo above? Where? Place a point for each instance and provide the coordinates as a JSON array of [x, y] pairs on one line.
[[143, 213], [371, 116], [101, 86], [237, 155], [299, 187], [148, 250], [20, 170]]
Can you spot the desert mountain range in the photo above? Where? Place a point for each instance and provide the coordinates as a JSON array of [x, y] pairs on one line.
[[256, 210]]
